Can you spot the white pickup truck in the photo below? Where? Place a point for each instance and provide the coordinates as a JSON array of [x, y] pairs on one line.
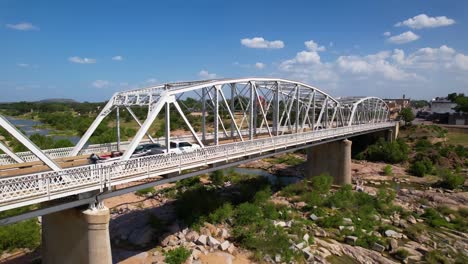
[[178, 147]]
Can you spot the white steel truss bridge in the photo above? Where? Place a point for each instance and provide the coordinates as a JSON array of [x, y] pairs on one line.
[[233, 120]]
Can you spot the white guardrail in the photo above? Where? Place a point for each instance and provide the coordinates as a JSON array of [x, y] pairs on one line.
[[29, 189]]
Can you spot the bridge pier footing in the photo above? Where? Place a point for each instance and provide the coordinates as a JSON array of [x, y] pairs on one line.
[[332, 158], [76, 236]]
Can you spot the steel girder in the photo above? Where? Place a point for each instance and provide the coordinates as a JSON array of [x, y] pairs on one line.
[[238, 109], [363, 110]]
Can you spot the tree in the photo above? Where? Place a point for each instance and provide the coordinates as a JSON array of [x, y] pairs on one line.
[[407, 115], [462, 103]]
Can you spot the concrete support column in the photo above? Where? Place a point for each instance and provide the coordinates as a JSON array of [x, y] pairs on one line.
[[332, 158], [76, 236]]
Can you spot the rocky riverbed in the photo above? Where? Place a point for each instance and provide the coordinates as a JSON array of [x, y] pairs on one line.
[[407, 237]]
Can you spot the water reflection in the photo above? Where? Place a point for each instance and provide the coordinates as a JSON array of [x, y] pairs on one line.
[[29, 127]]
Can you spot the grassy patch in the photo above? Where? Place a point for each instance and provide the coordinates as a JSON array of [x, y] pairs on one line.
[[25, 234], [177, 256], [457, 138], [288, 159]]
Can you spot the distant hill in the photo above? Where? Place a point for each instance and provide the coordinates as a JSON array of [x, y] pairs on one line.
[[57, 100]]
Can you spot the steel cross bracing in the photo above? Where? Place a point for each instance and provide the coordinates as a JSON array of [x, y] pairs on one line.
[[256, 105], [251, 112], [29, 189]]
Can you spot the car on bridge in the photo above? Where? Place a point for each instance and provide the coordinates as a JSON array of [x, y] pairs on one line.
[[178, 147], [147, 149]]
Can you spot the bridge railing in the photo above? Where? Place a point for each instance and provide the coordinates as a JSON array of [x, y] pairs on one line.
[[34, 188], [57, 153]]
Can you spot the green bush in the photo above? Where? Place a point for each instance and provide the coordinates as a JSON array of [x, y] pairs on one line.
[[422, 145], [418, 168], [343, 198], [177, 256], [387, 170], [322, 183], [434, 219], [222, 214], [144, 191], [391, 152], [25, 234], [450, 180], [294, 189], [217, 177]]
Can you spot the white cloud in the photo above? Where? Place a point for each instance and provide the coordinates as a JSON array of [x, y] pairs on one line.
[[23, 65], [25, 26], [261, 43], [152, 81], [307, 66], [375, 64], [309, 56], [80, 60], [312, 46], [387, 34], [117, 58], [406, 37], [461, 61], [424, 21], [100, 84], [259, 65], [204, 74]]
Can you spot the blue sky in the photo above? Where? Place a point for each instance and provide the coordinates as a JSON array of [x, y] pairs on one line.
[[86, 50]]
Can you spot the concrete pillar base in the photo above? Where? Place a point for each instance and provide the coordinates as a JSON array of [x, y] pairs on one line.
[[332, 158], [76, 236]]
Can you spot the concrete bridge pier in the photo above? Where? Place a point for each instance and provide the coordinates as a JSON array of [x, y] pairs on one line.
[[332, 158], [76, 236]]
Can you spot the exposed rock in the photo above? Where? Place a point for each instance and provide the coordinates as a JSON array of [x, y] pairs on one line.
[[347, 221], [300, 245], [313, 217], [361, 255], [307, 254], [300, 204], [393, 245], [412, 219], [378, 247], [231, 249], [192, 236], [224, 246], [169, 241], [279, 223], [202, 240], [392, 233], [196, 253], [306, 238], [212, 242], [351, 240], [277, 258], [319, 232], [212, 228], [223, 233]]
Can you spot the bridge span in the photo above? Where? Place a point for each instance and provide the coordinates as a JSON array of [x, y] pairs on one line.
[[233, 120]]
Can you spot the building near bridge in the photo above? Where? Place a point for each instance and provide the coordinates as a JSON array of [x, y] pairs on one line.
[[443, 112], [396, 105]]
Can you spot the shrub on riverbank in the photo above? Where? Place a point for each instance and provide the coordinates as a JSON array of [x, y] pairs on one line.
[[25, 234], [391, 152]]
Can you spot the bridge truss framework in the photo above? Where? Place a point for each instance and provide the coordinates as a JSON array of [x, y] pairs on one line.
[[237, 118]]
